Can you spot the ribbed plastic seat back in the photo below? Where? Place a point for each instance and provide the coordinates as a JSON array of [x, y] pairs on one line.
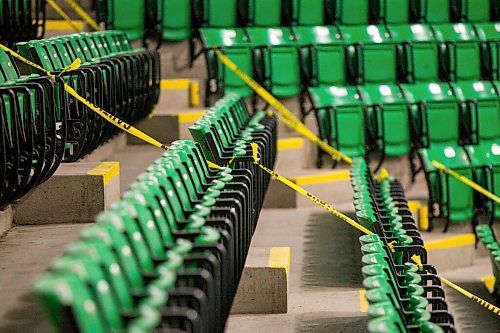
[[261, 13]]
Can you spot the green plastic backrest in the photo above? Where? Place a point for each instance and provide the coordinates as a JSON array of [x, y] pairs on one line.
[[99, 252], [384, 325], [57, 292], [128, 16], [353, 12], [150, 187], [8, 68], [264, 13], [146, 222], [395, 11], [438, 11], [220, 13], [191, 188], [330, 62], [308, 12], [90, 273], [476, 10], [242, 57], [112, 237], [176, 19], [123, 217]]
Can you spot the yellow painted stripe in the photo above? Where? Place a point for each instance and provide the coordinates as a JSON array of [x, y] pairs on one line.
[[450, 242], [290, 143], [489, 282], [60, 25], [423, 218], [175, 84], [414, 205], [190, 117], [363, 302], [322, 178], [107, 170], [194, 93], [279, 257]]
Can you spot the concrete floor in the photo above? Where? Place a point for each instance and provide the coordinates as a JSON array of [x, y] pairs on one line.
[[324, 280]]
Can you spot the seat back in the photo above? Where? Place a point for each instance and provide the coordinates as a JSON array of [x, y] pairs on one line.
[[391, 11], [216, 13], [261, 13], [433, 11], [126, 15], [475, 10], [308, 12], [176, 19], [351, 12]]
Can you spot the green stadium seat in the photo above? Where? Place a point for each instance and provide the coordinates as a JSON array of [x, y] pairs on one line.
[[261, 13], [176, 20], [459, 51], [482, 132], [351, 12], [129, 16], [435, 125], [215, 13], [392, 11], [417, 53], [488, 33], [277, 60], [235, 44], [476, 10], [307, 12], [433, 11]]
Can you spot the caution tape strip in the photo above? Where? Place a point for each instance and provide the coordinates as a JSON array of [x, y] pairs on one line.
[[466, 181], [291, 121], [104, 114], [83, 14], [64, 15], [307, 194], [480, 301]]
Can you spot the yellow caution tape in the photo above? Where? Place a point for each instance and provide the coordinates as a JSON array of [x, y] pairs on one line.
[[471, 296], [83, 14], [391, 246], [467, 181], [64, 15], [416, 258], [286, 116], [308, 195], [106, 115]]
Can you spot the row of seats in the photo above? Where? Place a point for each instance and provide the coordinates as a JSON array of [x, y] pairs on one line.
[[175, 19], [168, 256], [21, 20], [487, 237], [121, 80], [42, 126], [403, 297]]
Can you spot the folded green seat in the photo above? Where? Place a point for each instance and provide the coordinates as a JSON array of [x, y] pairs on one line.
[[176, 20], [433, 11], [487, 237], [122, 81], [169, 254], [488, 34], [477, 10], [33, 125], [402, 297]]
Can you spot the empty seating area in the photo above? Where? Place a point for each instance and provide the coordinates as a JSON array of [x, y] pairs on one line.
[[42, 126], [403, 297], [349, 182], [169, 255]]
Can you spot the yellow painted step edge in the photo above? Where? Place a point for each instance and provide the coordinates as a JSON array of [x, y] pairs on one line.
[[363, 302], [175, 84], [279, 257], [450, 242], [190, 117], [290, 143], [106, 170], [60, 25], [489, 282], [341, 175]]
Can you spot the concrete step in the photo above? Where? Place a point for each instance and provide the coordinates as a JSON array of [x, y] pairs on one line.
[[58, 27], [167, 126], [85, 4], [333, 187], [179, 94]]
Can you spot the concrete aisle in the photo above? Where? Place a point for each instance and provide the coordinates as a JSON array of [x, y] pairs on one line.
[[325, 274]]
